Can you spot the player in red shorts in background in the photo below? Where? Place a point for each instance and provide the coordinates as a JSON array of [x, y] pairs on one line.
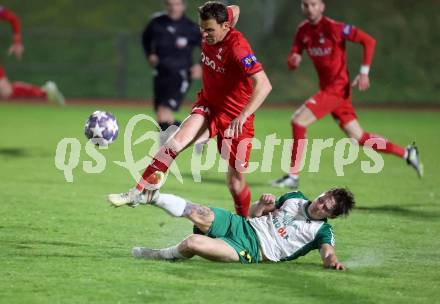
[[234, 87], [17, 90], [324, 40]]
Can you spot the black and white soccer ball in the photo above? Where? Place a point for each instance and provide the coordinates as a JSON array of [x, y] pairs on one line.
[[101, 128]]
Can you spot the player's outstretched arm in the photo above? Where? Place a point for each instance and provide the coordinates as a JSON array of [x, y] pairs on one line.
[[16, 48], [262, 88], [235, 14], [329, 259], [264, 205]]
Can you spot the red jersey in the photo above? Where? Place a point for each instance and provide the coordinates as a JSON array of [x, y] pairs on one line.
[[226, 67], [325, 44]]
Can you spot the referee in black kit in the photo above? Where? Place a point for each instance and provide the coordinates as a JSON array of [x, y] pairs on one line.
[[168, 41]]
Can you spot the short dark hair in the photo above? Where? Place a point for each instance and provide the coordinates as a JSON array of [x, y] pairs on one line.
[[344, 201], [214, 10]]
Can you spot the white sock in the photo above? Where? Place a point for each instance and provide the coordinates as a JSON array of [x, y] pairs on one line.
[[172, 204], [171, 253], [294, 176]]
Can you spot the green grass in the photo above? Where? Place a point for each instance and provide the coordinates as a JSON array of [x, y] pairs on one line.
[[61, 243]]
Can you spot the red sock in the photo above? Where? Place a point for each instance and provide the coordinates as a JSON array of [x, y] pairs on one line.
[[389, 146], [299, 136], [242, 201], [26, 90], [161, 162]]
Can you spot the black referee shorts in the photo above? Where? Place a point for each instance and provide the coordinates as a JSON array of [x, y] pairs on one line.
[[170, 88]]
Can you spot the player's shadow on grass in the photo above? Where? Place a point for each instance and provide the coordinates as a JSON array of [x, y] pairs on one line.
[[52, 243], [185, 268], [204, 179], [14, 152], [24, 153], [221, 180], [36, 243], [28, 248], [401, 211], [72, 255]]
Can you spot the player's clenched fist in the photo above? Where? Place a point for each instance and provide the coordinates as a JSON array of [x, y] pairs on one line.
[[293, 61], [267, 199]]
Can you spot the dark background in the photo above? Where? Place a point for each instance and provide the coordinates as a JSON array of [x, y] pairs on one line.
[[92, 48]]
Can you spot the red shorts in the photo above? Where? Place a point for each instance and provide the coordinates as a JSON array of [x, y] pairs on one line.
[[2, 72], [237, 150], [341, 108]]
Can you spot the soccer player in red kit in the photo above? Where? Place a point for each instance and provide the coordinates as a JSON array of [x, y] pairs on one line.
[[325, 41], [17, 89], [234, 87]]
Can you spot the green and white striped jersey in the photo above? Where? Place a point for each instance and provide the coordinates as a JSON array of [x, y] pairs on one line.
[[288, 232]]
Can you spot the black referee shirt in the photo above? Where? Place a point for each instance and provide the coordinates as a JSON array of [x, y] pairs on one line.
[[172, 40]]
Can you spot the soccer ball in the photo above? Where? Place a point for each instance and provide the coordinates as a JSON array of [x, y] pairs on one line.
[[101, 128]]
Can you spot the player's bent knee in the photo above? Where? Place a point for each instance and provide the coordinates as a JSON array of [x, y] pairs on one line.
[[194, 242], [356, 136], [184, 246], [303, 117], [298, 120], [294, 116], [362, 139]]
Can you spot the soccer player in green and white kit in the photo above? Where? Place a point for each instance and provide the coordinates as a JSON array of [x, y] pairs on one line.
[[278, 229]]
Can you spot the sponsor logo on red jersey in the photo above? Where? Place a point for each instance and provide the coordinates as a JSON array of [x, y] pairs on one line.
[[319, 52], [249, 60], [211, 63], [346, 30]]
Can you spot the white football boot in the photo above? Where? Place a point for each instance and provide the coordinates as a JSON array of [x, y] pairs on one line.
[[146, 253], [53, 93], [413, 159], [286, 181], [134, 197]]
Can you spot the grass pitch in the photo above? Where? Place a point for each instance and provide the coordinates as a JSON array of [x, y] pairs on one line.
[[61, 243]]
